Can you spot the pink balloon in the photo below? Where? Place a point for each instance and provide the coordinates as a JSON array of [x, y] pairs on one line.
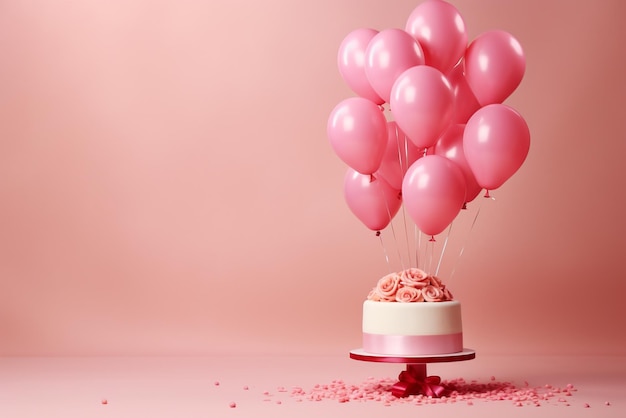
[[422, 104], [440, 30], [357, 130], [496, 141], [494, 66], [465, 103], [433, 191], [399, 155], [371, 199], [351, 63], [450, 145], [388, 54]]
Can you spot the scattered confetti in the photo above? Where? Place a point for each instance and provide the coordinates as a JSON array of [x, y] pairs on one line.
[[216, 383], [246, 387], [607, 403], [586, 405], [104, 402], [232, 405], [456, 390]]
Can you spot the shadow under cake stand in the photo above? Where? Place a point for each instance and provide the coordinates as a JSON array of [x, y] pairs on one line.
[[415, 365]]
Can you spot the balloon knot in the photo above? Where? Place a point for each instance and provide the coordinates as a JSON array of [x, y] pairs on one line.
[[487, 195], [372, 178], [378, 233], [432, 238], [464, 206]]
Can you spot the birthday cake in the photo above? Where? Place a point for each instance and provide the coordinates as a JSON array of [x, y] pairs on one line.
[[411, 313]]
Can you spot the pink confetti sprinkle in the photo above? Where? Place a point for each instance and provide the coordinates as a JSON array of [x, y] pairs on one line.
[[246, 387], [278, 402], [493, 378], [456, 390], [216, 383], [266, 393], [586, 405], [607, 403], [104, 402], [232, 405]]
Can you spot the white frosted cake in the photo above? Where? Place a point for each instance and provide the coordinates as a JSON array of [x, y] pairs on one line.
[[411, 313]]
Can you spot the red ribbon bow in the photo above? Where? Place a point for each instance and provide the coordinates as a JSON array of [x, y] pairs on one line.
[[411, 384]]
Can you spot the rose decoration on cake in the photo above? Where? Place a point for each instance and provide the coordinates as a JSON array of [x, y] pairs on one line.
[[414, 277], [433, 294], [387, 287], [409, 294], [373, 295], [410, 285]]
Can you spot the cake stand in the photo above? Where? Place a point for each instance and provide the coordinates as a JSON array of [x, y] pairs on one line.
[[415, 380]]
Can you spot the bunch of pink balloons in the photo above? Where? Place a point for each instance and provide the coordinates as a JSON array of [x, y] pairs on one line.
[[449, 135]]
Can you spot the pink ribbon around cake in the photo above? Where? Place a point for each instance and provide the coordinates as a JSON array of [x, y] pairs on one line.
[[410, 384], [413, 344]]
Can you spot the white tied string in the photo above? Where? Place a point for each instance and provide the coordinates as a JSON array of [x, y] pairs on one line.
[[443, 250], [456, 262], [393, 232]]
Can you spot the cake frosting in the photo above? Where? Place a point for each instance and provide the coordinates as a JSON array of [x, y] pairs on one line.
[[411, 313]]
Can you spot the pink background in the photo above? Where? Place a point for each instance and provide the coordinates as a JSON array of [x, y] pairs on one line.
[[167, 186]]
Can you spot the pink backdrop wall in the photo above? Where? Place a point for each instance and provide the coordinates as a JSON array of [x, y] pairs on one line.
[[167, 187]]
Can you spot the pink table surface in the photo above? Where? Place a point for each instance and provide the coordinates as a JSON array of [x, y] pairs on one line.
[[186, 386]]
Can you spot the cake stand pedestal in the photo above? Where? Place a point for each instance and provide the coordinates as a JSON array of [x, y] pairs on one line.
[[415, 380]]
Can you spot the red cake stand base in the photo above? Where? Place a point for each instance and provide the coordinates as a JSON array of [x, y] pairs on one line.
[[415, 380]]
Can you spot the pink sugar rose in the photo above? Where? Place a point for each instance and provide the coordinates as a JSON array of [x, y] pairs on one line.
[[414, 277], [388, 286], [409, 294], [373, 295], [433, 294], [436, 281], [447, 294]]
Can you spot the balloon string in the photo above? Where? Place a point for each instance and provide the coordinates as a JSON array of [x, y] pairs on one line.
[[430, 247], [406, 236], [379, 235], [399, 148], [403, 170], [418, 247], [456, 262], [443, 250], [393, 230]]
